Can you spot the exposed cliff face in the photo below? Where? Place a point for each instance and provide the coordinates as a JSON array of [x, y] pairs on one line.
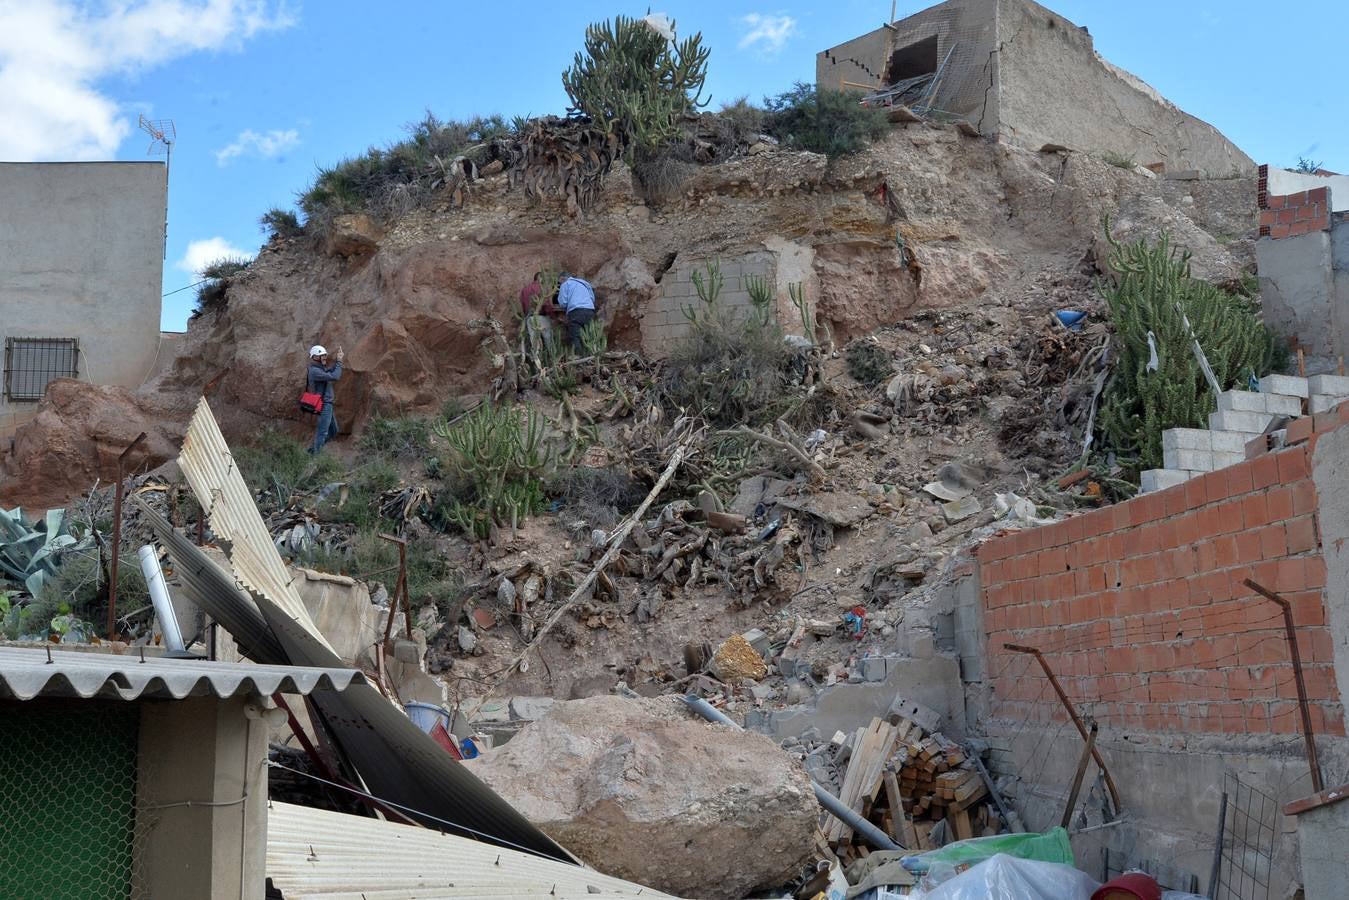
[[970, 215]]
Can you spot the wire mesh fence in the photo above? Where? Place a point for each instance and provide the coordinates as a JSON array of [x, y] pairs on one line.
[[68, 801], [1246, 857]]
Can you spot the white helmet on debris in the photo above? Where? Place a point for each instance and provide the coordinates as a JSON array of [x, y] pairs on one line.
[[318, 350]]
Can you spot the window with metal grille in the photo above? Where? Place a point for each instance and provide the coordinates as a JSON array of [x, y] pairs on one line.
[[32, 363]]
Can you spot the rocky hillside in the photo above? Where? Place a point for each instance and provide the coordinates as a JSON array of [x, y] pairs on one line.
[[408, 302]]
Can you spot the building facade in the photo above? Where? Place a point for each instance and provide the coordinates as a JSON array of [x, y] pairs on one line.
[[81, 273]]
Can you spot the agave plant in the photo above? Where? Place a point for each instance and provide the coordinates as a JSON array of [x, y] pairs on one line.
[[30, 553]]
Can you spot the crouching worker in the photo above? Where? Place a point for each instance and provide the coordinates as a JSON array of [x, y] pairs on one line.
[[576, 300], [319, 380]]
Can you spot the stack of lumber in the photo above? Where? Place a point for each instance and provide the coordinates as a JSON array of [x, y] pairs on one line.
[[906, 781]]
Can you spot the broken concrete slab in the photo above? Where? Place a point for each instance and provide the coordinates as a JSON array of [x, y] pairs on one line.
[[842, 510], [760, 489], [643, 787], [530, 709], [962, 509]]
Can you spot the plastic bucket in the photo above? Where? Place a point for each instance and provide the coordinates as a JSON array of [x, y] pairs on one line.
[[426, 715]]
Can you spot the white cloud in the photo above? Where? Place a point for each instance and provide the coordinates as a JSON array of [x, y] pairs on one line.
[[54, 53], [250, 143], [201, 254], [766, 34]]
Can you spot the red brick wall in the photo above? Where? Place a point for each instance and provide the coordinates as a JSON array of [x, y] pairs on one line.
[[1287, 215], [1141, 612]]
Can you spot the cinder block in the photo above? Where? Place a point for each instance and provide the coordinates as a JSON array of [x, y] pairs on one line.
[[1193, 460], [1229, 441], [1283, 405], [1187, 439], [1319, 403], [1335, 385], [1284, 384], [1161, 479], [1248, 422], [1242, 401], [1223, 459]]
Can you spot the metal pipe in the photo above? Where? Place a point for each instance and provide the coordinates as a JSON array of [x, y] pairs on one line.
[[835, 806], [992, 787], [1216, 871], [117, 536], [1072, 714], [1303, 707], [1081, 772], [159, 596]]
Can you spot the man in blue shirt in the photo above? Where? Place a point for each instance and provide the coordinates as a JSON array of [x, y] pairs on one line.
[[576, 299], [320, 380]]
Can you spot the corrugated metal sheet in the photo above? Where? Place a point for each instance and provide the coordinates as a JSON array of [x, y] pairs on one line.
[[210, 469], [25, 673], [318, 855], [395, 759], [213, 589]]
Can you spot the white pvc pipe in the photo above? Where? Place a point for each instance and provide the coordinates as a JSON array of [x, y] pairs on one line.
[[159, 596]]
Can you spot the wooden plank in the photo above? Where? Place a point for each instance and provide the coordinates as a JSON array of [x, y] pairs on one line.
[[896, 802], [959, 820], [970, 794]]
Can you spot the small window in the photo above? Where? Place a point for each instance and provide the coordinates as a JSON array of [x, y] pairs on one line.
[[32, 363]]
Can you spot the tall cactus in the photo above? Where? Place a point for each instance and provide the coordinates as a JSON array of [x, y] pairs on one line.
[[1154, 292], [634, 83]]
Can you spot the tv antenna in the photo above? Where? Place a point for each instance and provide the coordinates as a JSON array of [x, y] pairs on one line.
[[162, 137], [163, 134]]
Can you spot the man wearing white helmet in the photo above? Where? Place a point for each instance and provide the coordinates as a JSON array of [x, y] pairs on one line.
[[320, 381]]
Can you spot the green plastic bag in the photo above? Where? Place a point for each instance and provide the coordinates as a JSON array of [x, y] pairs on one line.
[[946, 862]]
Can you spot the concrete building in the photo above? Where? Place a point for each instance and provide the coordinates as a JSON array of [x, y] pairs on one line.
[[1005, 67], [1302, 256], [136, 776], [81, 269]]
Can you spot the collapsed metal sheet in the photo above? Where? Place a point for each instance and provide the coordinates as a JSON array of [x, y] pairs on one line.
[[313, 853], [209, 467], [398, 762], [213, 590]]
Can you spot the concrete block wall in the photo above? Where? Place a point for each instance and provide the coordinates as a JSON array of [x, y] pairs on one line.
[[663, 321], [1141, 611]]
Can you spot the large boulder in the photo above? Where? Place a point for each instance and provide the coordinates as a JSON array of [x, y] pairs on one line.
[[643, 790]]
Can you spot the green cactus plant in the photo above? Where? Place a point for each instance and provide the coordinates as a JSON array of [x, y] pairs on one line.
[[503, 454], [30, 553], [632, 82], [1153, 293]]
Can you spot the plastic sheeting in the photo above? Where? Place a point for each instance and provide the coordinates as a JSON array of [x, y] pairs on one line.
[[1008, 878]]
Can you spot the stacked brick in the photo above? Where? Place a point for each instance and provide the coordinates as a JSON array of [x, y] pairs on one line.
[[1141, 610], [1289, 215]]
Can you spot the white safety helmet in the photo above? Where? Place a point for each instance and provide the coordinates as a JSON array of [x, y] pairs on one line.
[[318, 350]]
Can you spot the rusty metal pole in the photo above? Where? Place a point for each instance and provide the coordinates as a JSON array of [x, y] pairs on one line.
[[1303, 707], [400, 590], [1072, 714], [1081, 773], [117, 536]]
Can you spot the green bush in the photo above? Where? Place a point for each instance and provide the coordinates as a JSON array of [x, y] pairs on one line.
[[369, 557], [868, 363], [359, 504], [278, 467], [1152, 293], [730, 369], [831, 122], [738, 124], [397, 437], [278, 222], [213, 292]]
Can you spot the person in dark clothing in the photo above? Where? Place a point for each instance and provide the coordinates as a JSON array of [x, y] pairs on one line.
[[320, 380], [576, 299]]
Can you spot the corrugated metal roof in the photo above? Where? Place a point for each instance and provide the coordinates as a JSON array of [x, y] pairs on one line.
[[319, 855], [25, 673], [209, 467]]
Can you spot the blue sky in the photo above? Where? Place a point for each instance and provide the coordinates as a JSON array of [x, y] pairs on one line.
[[263, 92]]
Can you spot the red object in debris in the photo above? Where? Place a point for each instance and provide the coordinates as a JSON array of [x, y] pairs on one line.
[[445, 739], [483, 618], [1134, 886]]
